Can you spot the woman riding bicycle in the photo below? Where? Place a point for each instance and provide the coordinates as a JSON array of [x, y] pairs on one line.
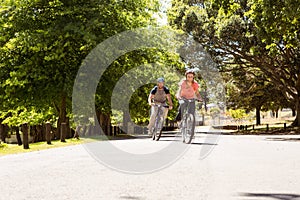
[[158, 95], [188, 89]]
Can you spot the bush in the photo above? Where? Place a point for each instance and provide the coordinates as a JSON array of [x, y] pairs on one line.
[[238, 114]]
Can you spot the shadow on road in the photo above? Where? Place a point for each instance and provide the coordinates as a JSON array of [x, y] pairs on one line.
[[274, 196], [203, 143], [284, 139]]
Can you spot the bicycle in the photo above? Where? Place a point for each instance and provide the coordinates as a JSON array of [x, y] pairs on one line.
[[187, 122], [159, 121]]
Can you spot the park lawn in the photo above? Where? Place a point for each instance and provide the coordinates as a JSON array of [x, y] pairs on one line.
[[6, 149], [273, 130]]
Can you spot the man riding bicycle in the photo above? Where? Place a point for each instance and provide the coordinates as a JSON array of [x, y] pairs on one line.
[[158, 95], [188, 89]]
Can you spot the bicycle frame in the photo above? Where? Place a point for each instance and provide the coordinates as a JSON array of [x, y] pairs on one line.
[[188, 101], [187, 122], [159, 120]]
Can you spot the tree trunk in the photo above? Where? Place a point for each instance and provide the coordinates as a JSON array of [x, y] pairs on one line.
[[33, 133], [258, 122], [297, 102], [63, 132], [105, 122], [293, 112], [18, 136], [62, 118], [68, 134], [96, 128], [48, 133], [43, 132], [2, 133], [126, 120], [297, 118], [98, 113], [39, 133], [25, 136]]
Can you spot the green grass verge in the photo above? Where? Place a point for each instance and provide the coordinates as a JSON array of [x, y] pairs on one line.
[[273, 130], [6, 149]]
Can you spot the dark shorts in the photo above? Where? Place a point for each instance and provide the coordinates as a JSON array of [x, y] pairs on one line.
[[182, 107]]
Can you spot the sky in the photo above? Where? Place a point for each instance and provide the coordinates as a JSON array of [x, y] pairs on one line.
[[162, 15]]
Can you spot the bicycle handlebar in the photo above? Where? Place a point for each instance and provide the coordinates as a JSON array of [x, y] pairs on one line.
[[189, 100], [158, 105]]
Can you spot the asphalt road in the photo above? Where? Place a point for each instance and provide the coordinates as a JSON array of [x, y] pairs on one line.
[[238, 167]]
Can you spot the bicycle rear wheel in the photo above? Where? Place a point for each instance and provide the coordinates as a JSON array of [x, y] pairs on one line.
[[159, 126], [158, 134], [188, 128], [154, 130]]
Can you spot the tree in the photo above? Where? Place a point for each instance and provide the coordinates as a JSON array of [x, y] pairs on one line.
[[42, 44], [129, 80], [250, 92], [259, 34]]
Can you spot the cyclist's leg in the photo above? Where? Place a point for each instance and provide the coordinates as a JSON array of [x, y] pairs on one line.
[[165, 111], [178, 116], [192, 108], [153, 114], [163, 115], [183, 106]]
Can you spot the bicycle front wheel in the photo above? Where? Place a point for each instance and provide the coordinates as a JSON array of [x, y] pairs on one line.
[[159, 125], [188, 128], [154, 130]]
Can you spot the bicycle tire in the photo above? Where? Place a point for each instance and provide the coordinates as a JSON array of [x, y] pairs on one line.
[[154, 130], [160, 122], [188, 128], [182, 129], [158, 135]]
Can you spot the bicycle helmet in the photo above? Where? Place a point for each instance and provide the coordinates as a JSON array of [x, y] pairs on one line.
[[160, 80], [189, 71]]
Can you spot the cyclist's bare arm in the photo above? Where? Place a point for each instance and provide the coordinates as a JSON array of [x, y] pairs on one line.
[[170, 101], [151, 96], [197, 93], [178, 96]]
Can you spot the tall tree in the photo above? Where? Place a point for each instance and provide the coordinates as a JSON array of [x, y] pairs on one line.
[[249, 92], [258, 34], [42, 44]]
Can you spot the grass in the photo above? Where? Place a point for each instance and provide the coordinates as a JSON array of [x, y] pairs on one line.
[[273, 130], [6, 149]]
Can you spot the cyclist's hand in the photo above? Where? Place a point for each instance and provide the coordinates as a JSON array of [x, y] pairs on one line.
[[151, 104], [181, 101], [170, 107]]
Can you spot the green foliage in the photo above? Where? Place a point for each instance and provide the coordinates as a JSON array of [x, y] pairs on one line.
[[251, 39], [214, 112], [238, 114], [17, 117], [42, 45]]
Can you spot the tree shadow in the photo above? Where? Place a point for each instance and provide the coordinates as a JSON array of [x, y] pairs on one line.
[[203, 143], [192, 143], [282, 139], [274, 196]]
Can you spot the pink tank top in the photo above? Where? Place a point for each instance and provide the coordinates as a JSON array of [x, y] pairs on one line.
[[188, 91]]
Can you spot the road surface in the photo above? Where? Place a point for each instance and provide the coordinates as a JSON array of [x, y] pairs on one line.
[[239, 167]]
